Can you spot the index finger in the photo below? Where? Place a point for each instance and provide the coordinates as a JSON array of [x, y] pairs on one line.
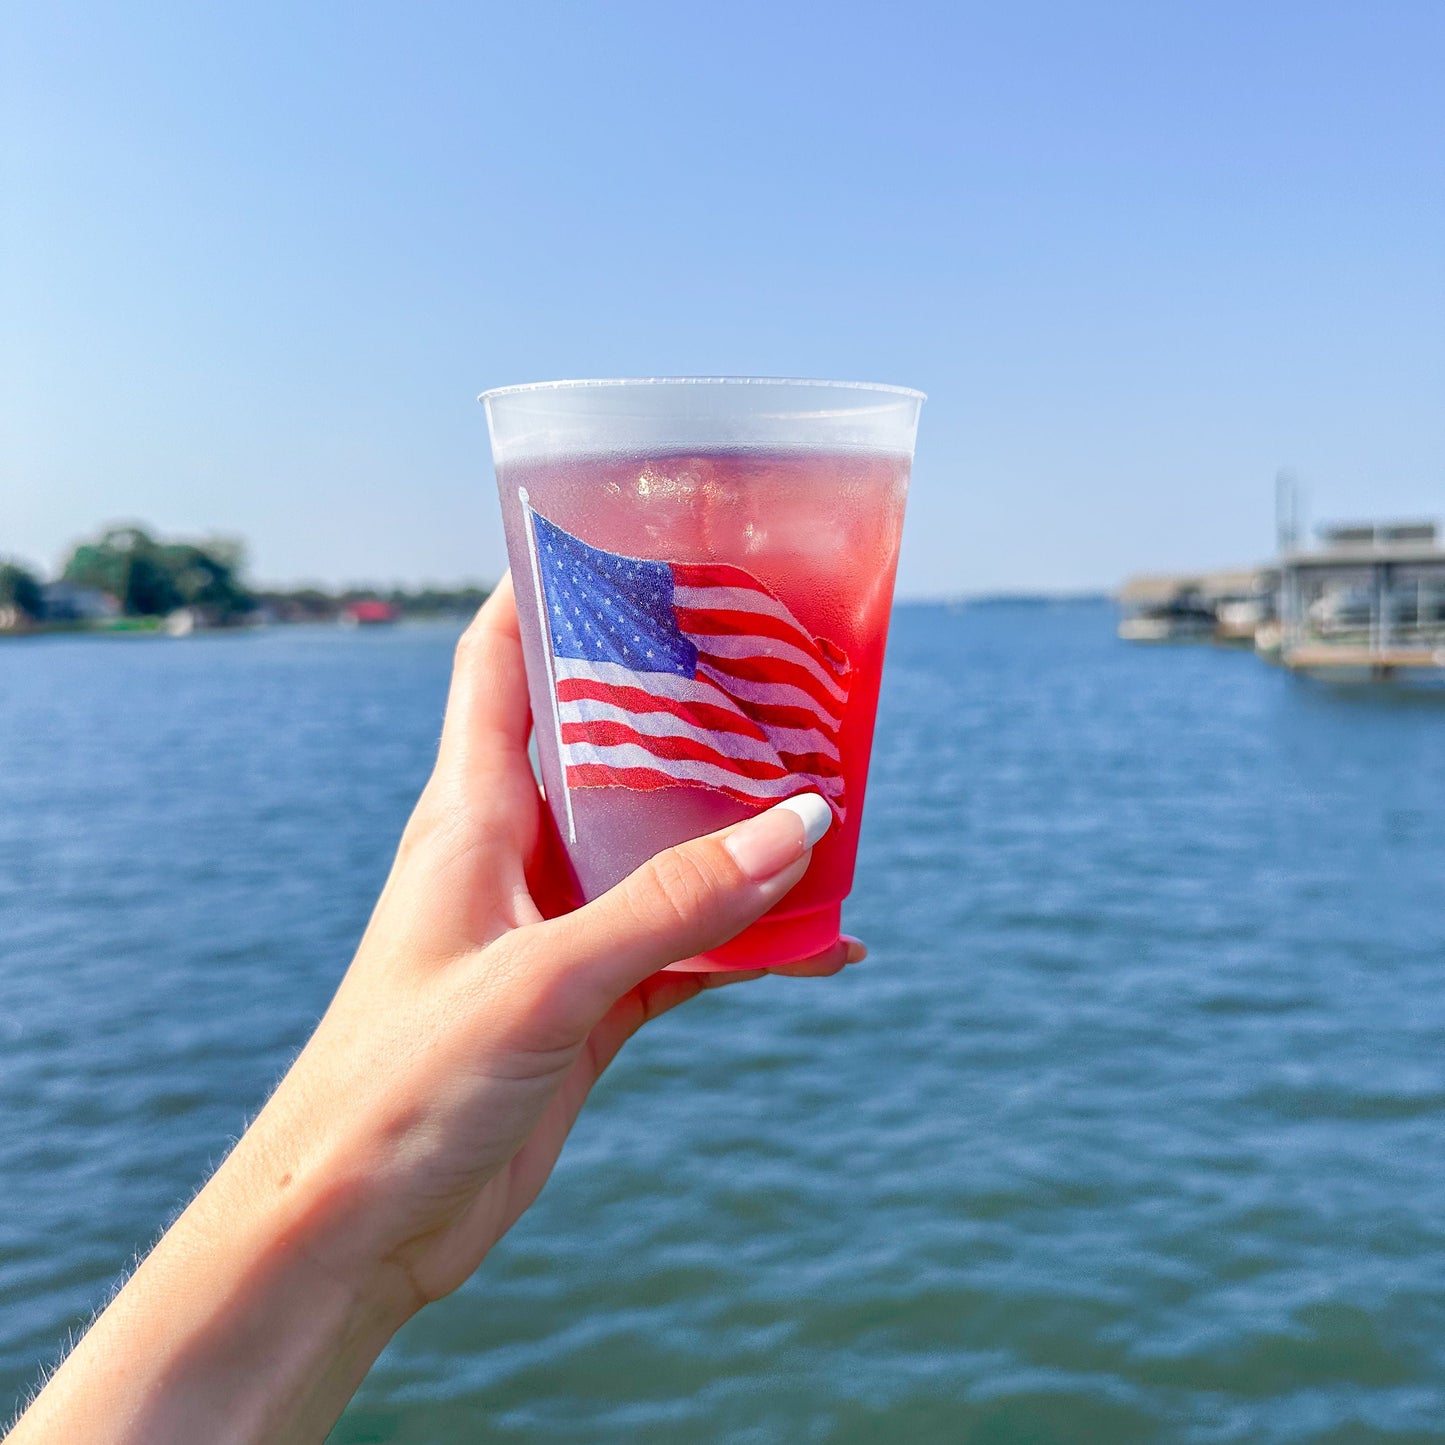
[[488, 714]]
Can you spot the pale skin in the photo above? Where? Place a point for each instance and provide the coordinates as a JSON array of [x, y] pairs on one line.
[[427, 1110]]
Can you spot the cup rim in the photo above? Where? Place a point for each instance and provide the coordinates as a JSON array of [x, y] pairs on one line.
[[885, 387]]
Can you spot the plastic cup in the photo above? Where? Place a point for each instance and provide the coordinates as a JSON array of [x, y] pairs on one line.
[[704, 575]]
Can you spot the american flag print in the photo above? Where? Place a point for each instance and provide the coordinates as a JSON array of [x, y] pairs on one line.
[[679, 674]]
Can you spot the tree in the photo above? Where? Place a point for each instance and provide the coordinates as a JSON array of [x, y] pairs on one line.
[[20, 591], [151, 578]]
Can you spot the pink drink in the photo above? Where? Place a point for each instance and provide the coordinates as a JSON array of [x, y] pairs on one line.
[[821, 533], [661, 537]]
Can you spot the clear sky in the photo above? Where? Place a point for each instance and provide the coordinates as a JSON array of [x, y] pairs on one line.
[[257, 260]]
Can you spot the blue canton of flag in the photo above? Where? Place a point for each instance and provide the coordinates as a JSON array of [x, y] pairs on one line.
[[607, 608]]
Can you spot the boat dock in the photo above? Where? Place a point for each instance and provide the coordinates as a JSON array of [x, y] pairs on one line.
[[1367, 603]]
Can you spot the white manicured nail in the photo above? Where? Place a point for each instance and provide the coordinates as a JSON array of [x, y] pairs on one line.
[[816, 815], [763, 846]]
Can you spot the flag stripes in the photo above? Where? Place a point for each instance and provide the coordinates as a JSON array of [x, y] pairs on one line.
[[672, 674]]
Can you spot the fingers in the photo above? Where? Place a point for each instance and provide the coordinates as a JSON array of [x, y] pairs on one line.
[[823, 965], [662, 992], [488, 716], [482, 791], [687, 900]]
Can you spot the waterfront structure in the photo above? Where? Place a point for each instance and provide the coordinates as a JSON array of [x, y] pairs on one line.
[[1369, 601], [368, 612], [63, 601], [1223, 607], [1366, 603]]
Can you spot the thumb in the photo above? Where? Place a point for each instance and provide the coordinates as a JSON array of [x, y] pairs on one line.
[[686, 900]]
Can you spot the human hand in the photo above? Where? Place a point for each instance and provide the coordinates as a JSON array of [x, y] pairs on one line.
[[430, 1105], [447, 1073]]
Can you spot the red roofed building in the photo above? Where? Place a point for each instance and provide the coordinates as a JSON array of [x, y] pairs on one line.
[[369, 613]]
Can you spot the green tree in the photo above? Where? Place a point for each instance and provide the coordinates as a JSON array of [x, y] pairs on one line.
[[150, 578], [20, 589], [201, 579]]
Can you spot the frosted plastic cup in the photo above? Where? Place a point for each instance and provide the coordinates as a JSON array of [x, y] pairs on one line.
[[704, 575]]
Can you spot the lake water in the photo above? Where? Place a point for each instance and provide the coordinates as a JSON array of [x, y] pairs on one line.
[[1132, 1128]]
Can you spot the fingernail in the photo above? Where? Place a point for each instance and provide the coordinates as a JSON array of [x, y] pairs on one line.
[[857, 949], [763, 846]]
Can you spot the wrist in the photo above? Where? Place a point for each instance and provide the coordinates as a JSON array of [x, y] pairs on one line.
[[318, 1220], [245, 1324]]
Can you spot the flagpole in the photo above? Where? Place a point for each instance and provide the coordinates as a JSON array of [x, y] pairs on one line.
[[546, 624]]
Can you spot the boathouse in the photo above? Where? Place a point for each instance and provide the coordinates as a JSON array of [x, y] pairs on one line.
[[1369, 599]]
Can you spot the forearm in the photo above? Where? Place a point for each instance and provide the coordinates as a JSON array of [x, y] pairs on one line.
[[239, 1327], [430, 1105]]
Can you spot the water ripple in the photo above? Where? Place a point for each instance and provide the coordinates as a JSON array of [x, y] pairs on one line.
[[1129, 1130]]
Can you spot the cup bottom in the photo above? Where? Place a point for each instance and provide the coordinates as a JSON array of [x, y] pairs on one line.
[[770, 943]]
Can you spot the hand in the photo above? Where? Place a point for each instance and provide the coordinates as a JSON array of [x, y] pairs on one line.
[[469, 1030], [431, 1103]]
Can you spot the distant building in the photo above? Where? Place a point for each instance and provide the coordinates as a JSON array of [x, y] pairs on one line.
[[1218, 606], [1370, 598], [369, 613], [1367, 603], [68, 602]]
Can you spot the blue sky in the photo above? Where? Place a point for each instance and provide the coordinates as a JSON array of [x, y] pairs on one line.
[[256, 261]]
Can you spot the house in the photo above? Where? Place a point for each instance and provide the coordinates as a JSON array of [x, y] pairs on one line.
[[69, 602], [371, 612]]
